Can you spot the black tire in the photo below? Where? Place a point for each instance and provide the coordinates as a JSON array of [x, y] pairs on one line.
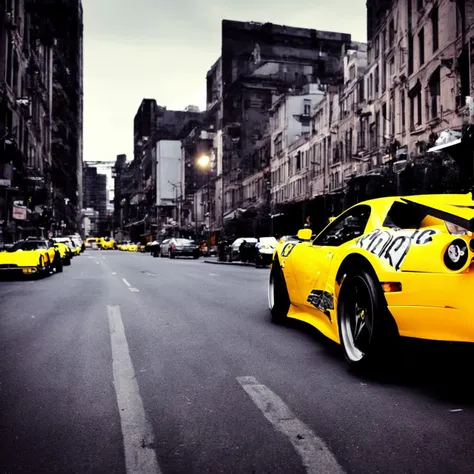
[[367, 330], [171, 255], [67, 261], [278, 297]]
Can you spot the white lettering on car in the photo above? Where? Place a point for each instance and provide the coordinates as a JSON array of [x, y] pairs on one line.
[[393, 245]]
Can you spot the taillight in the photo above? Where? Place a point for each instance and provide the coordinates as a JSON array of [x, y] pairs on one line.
[[456, 255]]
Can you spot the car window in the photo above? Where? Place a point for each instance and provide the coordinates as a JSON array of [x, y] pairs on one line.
[[348, 226], [29, 245]]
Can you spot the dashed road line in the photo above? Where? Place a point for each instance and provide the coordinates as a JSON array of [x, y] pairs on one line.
[[316, 456], [133, 290], [138, 437]]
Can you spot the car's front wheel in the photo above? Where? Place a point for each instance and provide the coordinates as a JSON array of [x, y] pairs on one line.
[[366, 331], [278, 298]]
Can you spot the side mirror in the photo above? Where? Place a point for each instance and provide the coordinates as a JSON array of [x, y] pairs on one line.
[[305, 234], [331, 219]]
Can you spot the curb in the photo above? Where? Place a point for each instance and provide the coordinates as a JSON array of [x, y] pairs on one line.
[[234, 264]]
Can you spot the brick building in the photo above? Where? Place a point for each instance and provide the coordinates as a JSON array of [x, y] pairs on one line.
[[371, 136]]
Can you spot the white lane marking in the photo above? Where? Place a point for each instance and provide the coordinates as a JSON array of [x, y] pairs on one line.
[[126, 282], [134, 290], [138, 437], [214, 274], [316, 456], [114, 273], [456, 410]]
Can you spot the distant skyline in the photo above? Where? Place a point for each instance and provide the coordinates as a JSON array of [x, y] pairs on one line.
[[146, 49]]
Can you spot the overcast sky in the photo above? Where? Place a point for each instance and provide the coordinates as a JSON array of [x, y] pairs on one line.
[[162, 49]]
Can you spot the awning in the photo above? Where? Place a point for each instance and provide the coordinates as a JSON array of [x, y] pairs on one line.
[[230, 215], [446, 145]]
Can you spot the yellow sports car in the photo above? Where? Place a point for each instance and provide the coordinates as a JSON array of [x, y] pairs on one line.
[[106, 243], [31, 257], [384, 268]]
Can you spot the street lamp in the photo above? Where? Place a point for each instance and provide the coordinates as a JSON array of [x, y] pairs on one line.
[[204, 162]]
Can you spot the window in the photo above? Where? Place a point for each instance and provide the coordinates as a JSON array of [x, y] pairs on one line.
[[403, 109], [278, 144], [419, 4], [434, 88], [392, 116], [361, 90], [421, 45], [435, 28], [352, 72], [384, 76], [307, 107], [385, 119], [391, 32], [345, 228], [420, 109], [377, 80], [410, 55]]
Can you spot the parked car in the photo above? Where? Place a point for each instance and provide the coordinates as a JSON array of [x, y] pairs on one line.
[[265, 248], [178, 247], [235, 247], [32, 256]]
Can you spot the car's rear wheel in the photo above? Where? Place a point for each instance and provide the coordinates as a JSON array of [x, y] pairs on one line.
[[278, 298], [365, 328]]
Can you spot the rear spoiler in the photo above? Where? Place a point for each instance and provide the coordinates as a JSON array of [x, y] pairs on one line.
[[462, 216]]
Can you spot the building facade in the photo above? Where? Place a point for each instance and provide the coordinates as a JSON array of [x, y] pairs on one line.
[[146, 215], [368, 132], [257, 60], [95, 198], [30, 37]]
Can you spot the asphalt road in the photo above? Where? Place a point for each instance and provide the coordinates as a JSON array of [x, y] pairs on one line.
[[127, 363]]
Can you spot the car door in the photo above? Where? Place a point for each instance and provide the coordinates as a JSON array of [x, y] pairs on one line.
[[313, 261]]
